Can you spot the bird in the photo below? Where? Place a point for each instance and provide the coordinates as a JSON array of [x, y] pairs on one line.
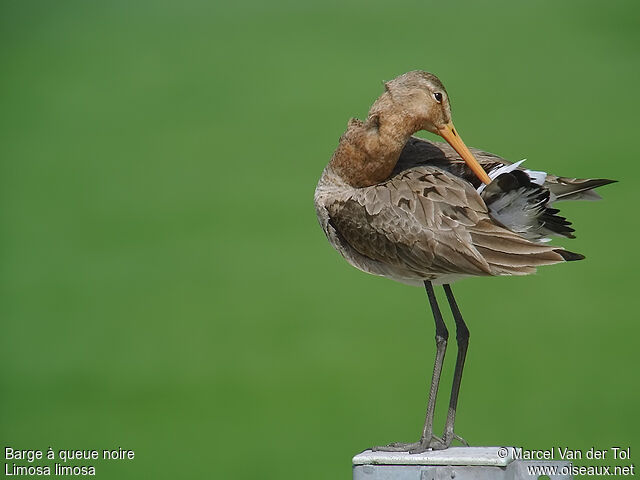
[[430, 213]]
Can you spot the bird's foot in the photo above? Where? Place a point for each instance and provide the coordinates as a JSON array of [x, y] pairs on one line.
[[433, 443], [449, 437]]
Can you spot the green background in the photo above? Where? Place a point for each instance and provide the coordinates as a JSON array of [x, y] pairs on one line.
[[165, 286]]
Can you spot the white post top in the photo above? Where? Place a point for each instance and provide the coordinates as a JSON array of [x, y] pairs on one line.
[[488, 456]]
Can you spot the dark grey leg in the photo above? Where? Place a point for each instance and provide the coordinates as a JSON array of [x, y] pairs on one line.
[[428, 440], [442, 335], [462, 337]]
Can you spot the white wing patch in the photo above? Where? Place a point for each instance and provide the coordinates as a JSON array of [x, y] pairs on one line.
[[536, 177]]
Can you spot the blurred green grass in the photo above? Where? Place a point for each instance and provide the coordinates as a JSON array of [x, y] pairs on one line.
[[165, 286]]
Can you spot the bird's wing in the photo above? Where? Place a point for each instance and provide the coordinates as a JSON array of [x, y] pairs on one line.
[[429, 221], [526, 211]]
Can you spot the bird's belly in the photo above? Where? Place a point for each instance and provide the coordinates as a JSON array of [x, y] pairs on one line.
[[394, 272]]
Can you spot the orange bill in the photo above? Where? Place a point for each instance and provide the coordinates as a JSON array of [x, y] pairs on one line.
[[448, 132]]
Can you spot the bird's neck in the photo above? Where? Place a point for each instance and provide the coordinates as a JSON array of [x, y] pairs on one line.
[[368, 151]]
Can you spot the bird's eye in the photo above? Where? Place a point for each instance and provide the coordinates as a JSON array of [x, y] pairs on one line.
[[438, 97]]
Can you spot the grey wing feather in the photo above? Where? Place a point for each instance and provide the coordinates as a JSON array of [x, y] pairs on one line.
[[564, 188]]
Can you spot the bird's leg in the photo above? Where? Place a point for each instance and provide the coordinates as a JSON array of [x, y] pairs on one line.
[[442, 335], [462, 337], [428, 440]]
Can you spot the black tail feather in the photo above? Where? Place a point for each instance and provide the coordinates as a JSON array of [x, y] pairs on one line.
[[569, 256]]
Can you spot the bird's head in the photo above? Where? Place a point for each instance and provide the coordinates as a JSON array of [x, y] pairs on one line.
[[423, 98]]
